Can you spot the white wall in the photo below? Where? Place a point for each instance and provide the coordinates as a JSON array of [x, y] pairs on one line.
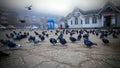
[[79, 25], [83, 25], [91, 25]]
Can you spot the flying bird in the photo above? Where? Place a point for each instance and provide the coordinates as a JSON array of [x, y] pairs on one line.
[[29, 7], [22, 21]]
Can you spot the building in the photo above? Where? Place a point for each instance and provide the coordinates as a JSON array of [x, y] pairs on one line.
[[108, 16]]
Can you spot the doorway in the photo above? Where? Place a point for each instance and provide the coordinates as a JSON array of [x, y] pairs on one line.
[[107, 22]]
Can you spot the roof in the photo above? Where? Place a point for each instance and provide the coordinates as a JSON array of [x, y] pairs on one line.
[[10, 26], [94, 12], [91, 12]]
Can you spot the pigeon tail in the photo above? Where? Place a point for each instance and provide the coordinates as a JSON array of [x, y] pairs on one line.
[[95, 44]]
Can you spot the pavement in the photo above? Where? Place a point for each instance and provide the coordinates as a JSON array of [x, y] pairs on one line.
[[75, 55]]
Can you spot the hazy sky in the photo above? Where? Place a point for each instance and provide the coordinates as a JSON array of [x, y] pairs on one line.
[[56, 6]]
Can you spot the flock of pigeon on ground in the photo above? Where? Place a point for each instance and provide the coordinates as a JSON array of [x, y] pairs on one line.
[[60, 37]]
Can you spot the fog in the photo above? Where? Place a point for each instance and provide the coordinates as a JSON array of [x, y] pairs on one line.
[[60, 7]]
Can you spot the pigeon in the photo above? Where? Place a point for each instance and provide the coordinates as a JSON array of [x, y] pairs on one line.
[[29, 7], [88, 43], [102, 35], [72, 39], [31, 38], [85, 36], [42, 38], [60, 36], [36, 33], [79, 37], [51, 31], [40, 35], [43, 33], [114, 35], [15, 32], [10, 44], [3, 54], [36, 41], [72, 33], [22, 21], [56, 33], [53, 41], [104, 40], [47, 35], [62, 41], [8, 36], [11, 35]]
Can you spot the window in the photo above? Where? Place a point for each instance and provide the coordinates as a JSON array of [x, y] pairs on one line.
[[81, 21], [87, 20], [94, 20], [71, 22], [76, 20]]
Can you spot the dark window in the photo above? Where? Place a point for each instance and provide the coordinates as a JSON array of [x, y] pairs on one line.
[[87, 20], [81, 21], [76, 20], [71, 22], [94, 20]]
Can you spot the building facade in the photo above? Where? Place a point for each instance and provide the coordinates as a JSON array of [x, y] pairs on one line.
[[108, 16]]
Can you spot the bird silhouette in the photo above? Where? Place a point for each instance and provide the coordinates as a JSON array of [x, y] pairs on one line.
[[56, 33], [47, 35], [114, 35], [72, 39], [22, 21], [8, 36], [60, 36], [72, 33], [86, 36], [102, 35], [105, 41], [36, 41], [9, 44], [29, 7], [53, 41], [62, 41], [3, 54], [43, 33], [42, 38], [31, 38], [79, 37], [88, 43]]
